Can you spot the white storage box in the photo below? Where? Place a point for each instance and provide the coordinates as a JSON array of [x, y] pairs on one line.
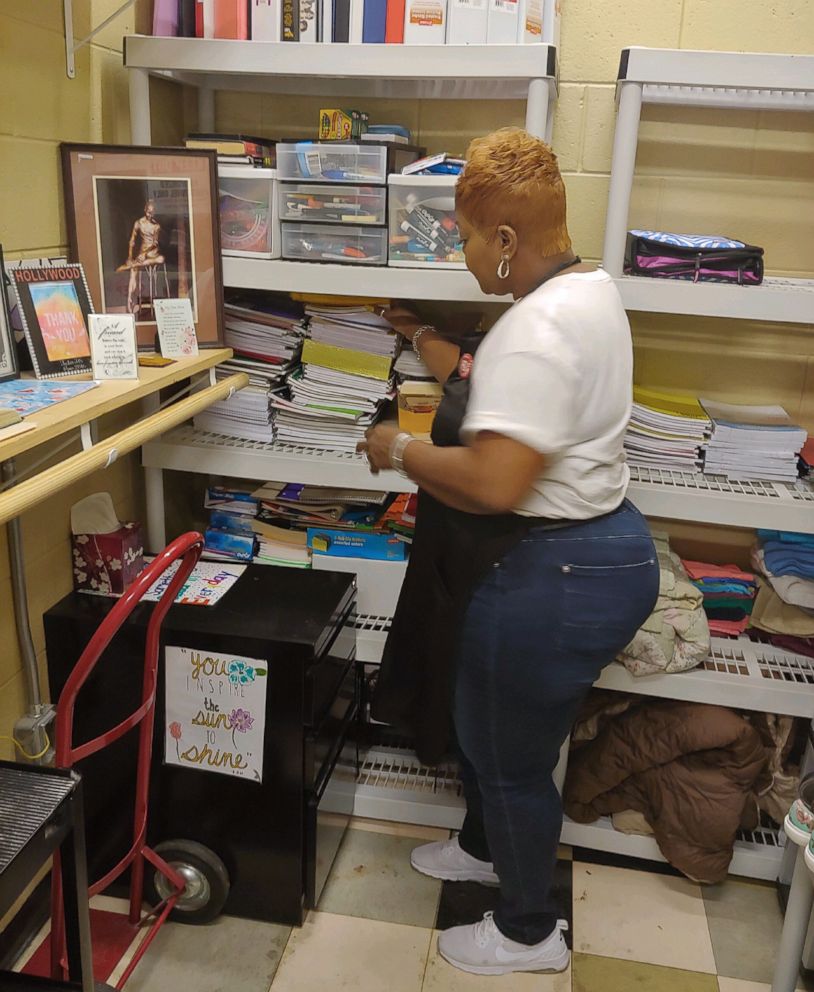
[[333, 162], [249, 223], [352, 243], [333, 204], [423, 232], [378, 582]]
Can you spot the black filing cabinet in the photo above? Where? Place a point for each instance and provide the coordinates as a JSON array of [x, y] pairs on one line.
[[277, 838]]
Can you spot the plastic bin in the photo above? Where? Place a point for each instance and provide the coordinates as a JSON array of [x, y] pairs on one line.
[[423, 229], [329, 203], [335, 243], [249, 222], [343, 162]]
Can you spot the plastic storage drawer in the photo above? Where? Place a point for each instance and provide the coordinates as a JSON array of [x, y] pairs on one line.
[[332, 162], [423, 229], [335, 243], [333, 204], [249, 223]]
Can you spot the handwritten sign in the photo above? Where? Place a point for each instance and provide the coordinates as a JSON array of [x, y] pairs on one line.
[[207, 583], [113, 348], [176, 328], [215, 712]]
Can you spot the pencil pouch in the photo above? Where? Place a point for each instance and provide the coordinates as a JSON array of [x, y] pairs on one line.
[[694, 257]]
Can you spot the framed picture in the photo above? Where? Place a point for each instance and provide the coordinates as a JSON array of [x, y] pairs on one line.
[[8, 344], [144, 224], [54, 309]]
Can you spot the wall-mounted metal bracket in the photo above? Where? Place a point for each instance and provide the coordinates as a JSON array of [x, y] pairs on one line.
[[71, 47]]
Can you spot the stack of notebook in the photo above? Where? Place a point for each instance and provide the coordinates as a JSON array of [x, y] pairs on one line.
[[265, 337], [345, 379], [666, 431], [246, 414], [410, 368], [753, 442], [298, 506]]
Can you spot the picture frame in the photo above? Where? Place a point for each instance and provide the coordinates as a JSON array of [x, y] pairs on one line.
[[9, 366], [144, 223]]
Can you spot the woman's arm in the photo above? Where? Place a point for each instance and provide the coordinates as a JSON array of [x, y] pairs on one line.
[[438, 354], [490, 476]]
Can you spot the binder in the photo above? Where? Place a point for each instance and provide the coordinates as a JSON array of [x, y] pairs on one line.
[[374, 21], [341, 21], [186, 18], [467, 22], [309, 21], [327, 14], [394, 24], [165, 18], [205, 18], [504, 22], [357, 21], [232, 19], [265, 20]]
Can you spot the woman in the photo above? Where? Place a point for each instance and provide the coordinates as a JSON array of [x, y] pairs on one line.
[[530, 570]]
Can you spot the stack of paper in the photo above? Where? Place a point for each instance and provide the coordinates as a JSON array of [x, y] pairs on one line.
[[345, 380], [666, 430], [410, 368], [752, 442], [266, 339], [299, 506], [281, 546], [246, 415]]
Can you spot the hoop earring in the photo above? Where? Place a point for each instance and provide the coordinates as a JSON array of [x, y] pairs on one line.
[[503, 268]]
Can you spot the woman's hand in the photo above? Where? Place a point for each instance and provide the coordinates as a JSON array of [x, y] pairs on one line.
[[376, 446], [403, 320]]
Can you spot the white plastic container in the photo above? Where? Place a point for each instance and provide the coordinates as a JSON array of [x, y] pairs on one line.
[[422, 228], [333, 204], [348, 243], [249, 222], [332, 162]]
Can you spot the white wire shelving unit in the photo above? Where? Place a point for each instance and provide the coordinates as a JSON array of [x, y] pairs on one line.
[[740, 80], [739, 673]]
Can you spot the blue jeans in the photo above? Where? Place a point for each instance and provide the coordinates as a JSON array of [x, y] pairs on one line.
[[538, 631]]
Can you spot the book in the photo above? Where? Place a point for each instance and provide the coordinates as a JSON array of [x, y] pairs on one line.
[[374, 21], [232, 19], [186, 18], [264, 19], [234, 145], [357, 20], [341, 21], [289, 20], [504, 22], [467, 22], [205, 19], [394, 25], [55, 304], [165, 18], [27, 396], [425, 22]]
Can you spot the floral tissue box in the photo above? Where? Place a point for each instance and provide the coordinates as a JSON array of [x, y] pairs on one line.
[[106, 564]]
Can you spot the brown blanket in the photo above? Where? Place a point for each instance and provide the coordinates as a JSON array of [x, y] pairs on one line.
[[688, 768]]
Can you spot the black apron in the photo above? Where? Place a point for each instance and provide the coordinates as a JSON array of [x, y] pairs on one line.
[[450, 554]]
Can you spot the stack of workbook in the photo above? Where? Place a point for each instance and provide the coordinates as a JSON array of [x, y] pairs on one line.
[[666, 431], [299, 506], [266, 339], [246, 414], [753, 442], [345, 379], [410, 367]]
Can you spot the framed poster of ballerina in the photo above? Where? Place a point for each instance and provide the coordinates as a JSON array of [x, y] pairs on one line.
[[144, 224]]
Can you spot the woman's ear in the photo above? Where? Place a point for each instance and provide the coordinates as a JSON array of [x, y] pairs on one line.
[[508, 241]]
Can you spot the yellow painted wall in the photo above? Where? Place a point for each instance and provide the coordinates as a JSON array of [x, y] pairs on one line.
[[42, 107]]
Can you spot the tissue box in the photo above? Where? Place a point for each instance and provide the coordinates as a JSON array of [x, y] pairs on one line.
[[106, 564]]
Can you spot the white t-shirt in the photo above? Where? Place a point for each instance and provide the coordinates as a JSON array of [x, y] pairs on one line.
[[556, 373]]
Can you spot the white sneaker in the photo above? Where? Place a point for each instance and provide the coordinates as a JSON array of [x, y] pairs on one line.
[[447, 860], [481, 949]]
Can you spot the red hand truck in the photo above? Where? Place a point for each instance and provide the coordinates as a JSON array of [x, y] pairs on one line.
[[186, 550]]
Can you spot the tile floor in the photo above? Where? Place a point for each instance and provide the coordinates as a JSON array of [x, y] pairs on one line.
[[632, 930]]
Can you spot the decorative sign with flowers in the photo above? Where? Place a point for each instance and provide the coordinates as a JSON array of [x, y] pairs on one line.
[[215, 712]]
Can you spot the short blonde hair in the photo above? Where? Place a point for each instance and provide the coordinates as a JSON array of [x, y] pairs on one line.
[[513, 178]]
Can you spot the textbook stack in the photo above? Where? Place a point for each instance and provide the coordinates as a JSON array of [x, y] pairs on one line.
[[345, 379], [666, 431]]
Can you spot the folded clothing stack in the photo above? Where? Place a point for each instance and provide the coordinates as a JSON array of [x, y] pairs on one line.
[[784, 610], [729, 595], [675, 637]]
